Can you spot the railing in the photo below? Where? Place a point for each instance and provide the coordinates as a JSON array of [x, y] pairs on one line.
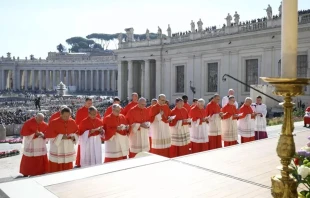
[[304, 18], [224, 79], [253, 26]]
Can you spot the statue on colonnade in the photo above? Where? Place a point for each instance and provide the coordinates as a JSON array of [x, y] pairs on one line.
[[228, 20]]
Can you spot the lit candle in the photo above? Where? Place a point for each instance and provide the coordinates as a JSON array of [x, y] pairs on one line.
[[289, 37]]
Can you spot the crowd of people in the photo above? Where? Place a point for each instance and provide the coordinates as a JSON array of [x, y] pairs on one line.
[[136, 128]]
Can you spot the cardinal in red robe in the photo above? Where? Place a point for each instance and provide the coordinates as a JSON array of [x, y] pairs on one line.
[[116, 100], [56, 114], [186, 105], [81, 114], [195, 101], [159, 118], [153, 102], [138, 120], [62, 133], [307, 117], [180, 137], [132, 104], [229, 122], [214, 115], [34, 160], [246, 121], [90, 131], [199, 130], [116, 135]]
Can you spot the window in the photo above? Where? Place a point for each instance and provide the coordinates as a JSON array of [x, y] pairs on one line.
[[180, 79], [302, 66], [251, 68], [212, 79]]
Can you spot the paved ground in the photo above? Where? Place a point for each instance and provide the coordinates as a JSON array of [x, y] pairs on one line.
[[9, 167]]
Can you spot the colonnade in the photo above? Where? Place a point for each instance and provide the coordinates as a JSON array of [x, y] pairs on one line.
[[141, 76], [48, 79]]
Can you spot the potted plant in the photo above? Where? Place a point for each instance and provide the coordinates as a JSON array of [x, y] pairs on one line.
[[301, 170]]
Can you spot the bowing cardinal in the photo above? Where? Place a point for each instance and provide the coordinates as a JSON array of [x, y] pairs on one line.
[[34, 160], [62, 133]]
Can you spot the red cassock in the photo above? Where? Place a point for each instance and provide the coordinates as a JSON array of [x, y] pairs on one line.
[[214, 141], [155, 110], [137, 115], [56, 127], [196, 114], [109, 111], [35, 165], [54, 116], [187, 107], [181, 114], [128, 107], [230, 110], [150, 138], [81, 114], [245, 110], [307, 119], [87, 124], [110, 127]]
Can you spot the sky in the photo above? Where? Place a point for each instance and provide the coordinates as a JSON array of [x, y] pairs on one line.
[[38, 26]]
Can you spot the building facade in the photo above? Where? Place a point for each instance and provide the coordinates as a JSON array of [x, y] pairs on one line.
[[80, 72], [194, 62]]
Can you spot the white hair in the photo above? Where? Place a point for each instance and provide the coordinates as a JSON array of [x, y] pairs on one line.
[[230, 90], [40, 115], [161, 95], [63, 106], [201, 101], [141, 99], [92, 108], [248, 98], [116, 106]]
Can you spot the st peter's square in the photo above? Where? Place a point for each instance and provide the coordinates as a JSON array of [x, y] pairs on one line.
[[167, 99]]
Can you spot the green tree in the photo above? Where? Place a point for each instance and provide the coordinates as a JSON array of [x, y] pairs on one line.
[[83, 45]]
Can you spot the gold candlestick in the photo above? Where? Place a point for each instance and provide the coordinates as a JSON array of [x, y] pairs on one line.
[[285, 185]]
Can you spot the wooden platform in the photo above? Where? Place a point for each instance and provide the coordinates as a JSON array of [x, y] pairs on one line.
[[234, 172]]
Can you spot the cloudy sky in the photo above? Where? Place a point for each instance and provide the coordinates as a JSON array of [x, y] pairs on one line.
[[37, 26]]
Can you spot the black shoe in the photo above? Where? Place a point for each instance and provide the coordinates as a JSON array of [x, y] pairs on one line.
[[305, 125]]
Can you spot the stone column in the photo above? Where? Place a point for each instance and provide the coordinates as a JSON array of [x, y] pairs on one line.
[[158, 77], [60, 76], [91, 80], [130, 78], [2, 80], [113, 80], [32, 80], [18, 80], [40, 80], [108, 80], [85, 80], [102, 80], [54, 79], [142, 78], [26, 79], [147, 79], [167, 79], [80, 80], [14, 79], [67, 78], [97, 80], [47, 79], [120, 80]]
